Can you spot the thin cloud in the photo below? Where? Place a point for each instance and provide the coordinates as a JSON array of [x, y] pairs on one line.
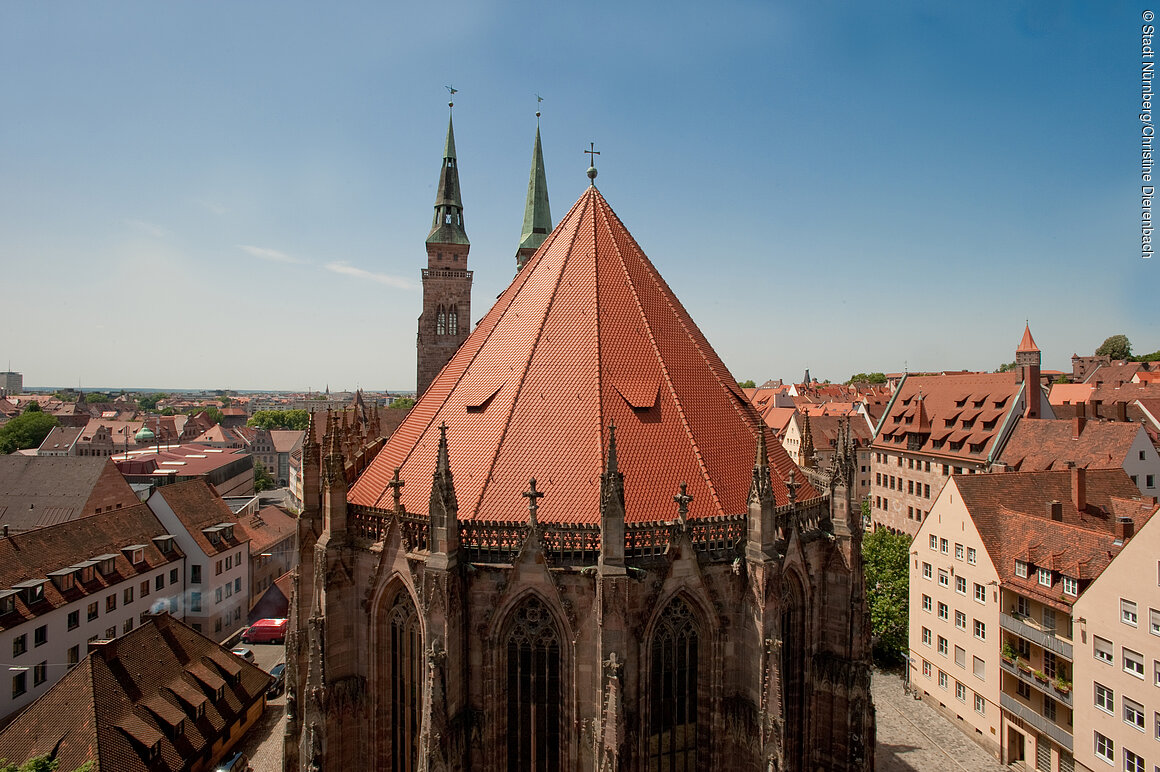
[[152, 229], [382, 278], [273, 255], [212, 206]]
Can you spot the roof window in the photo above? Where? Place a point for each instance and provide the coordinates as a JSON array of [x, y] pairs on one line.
[[105, 563], [31, 591], [135, 553]]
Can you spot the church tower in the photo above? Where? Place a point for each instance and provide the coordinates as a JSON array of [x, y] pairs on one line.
[[446, 318], [537, 215], [1027, 363]]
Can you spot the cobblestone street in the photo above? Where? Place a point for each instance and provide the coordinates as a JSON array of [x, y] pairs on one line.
[[912, 737]]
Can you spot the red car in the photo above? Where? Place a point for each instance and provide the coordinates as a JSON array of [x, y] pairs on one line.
[[266, 631]]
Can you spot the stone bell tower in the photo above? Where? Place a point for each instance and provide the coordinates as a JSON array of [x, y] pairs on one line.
[[446, 318]]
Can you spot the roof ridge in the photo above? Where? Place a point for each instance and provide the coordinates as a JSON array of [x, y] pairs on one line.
[[531, 351], [660, 359]]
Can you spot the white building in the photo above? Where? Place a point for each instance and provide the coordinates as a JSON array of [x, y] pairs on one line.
[[65, 585], [217, 555]]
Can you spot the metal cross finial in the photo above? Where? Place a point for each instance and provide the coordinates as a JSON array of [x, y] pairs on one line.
[[533, 496], [592, 153], [396, 485], [682, 500]]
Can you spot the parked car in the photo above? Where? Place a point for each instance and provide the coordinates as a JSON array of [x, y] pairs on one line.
[[235, 763], [244, 653], [279, 685], [266, 631]]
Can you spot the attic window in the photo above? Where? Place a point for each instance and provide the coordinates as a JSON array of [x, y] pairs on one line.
[[105, 563], [164, 543], [1020, 569], [7, 601], [479, 399], [31, 591], [65, 579], [134, 552], [979, 402], [961, 402]]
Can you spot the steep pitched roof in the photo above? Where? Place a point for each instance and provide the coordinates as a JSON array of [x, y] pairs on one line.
[[965, 413], [1028, 343], [588, 333], [198, 506], [1010, 511], [1045, 444], [41, 490], [43, 551], [130, 694]]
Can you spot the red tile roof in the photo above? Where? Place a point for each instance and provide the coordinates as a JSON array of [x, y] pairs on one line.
[[1044, 444], [1028, 343], [266, 528], [975, 404], [155, 685], [1010, 511], [198, 506], [587, 334]]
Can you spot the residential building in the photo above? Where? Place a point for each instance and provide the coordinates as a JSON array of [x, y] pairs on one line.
[[1117, 660], [996, 568], [217, 555], [36, 491], [65, 585], [937, 426], [285, 441], [1051, 444], [272, 535], [162, 697]]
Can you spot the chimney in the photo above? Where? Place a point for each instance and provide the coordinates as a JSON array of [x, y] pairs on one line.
[[1095, 403], [1121, 411], [1080, 419], [1078, 486], [1125, 528], [6, 530], [1055, 511]]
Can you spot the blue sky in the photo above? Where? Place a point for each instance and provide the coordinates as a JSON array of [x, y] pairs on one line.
[[236, 195]]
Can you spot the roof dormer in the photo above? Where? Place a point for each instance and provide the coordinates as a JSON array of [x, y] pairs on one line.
[[164, 543], [135, 553], [106, 564], [31, 590]]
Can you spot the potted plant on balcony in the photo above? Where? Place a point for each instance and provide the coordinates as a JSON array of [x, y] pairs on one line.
[[1062, 686], [1007, 653], [1040, 676], [1023, 664]]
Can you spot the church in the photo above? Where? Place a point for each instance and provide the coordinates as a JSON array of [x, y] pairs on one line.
[[582, 549]]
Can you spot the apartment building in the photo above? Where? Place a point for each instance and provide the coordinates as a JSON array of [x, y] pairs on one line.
[[1117, 666], [64, 586], [1022, 547], [217, 555], [942, 425]]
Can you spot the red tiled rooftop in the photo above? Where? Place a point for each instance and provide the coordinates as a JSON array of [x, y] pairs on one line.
[[587, 334], [1045, 444], [1028, 343]]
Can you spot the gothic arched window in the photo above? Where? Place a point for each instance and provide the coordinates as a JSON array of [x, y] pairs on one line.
[[405, 666], [453, 320], [533, 690], [673, 676], [440, 321]]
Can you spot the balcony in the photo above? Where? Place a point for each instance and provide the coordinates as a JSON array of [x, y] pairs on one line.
[[1046, 688], [1026, 627], [1031, 718]]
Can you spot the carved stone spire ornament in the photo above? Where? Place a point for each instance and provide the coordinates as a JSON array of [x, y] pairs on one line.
[[533, 496], [683, 499]]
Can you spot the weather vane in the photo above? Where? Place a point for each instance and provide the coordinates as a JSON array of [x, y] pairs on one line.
[[451, 91], [538, 100]]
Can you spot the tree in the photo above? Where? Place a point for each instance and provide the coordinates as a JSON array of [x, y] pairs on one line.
[[27, 430], [149, 401], [867, 378], [225, 400], [885, 557], [1005, 367], [211, 412], [404, 403], [280, 419], [40, 764], [1153, 357], [748, 384], [262, 480], [1061, 378], [1116, 347]]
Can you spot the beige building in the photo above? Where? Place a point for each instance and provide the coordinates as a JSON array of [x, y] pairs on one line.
[[1117, 674], [1033, 542], [812, 440]]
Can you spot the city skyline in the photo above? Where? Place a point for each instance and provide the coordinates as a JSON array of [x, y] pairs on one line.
[[210, 196]]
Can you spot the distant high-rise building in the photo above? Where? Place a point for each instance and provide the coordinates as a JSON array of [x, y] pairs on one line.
[[11, 384]]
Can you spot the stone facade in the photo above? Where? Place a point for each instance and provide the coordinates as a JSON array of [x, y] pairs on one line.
[[771, 600]]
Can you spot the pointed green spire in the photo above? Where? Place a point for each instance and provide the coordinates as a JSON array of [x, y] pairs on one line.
[[537, 215], [447, 227]]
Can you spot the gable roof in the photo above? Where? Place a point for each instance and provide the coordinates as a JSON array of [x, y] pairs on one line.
[[42, 551], [967, 410], [133, 692], [1010, 511], [1049, 444], [266, 528], [42, 490], [198, 506], [587, 334]]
